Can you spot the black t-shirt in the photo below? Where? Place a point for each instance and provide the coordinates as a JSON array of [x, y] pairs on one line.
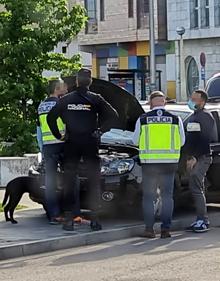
[[200, 132]]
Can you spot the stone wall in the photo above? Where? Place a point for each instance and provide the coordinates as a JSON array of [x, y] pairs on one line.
[[178, 14], [12, 167], [117, 26]]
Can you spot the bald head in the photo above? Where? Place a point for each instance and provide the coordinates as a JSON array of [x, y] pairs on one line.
[[157, 98]]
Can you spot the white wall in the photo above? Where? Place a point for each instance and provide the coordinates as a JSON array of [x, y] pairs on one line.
[[12, 167]]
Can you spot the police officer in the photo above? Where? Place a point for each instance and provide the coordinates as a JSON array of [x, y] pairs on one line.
[[81, 111], [201, 130], [159, 135], [52, 148]]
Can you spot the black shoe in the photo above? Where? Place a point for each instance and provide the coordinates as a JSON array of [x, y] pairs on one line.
[[95, 226], [68, 226], [165, 233], [68, 223], [148, 233]]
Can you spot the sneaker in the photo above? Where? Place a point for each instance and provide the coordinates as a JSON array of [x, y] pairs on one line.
[[95, 226], [201, 226], [191, 227], [56, 221], [148, 233], [78, 219], [165, 233]]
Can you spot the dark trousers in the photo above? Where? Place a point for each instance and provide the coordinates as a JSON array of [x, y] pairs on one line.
[[158, 176], [87, 149], [196, 185], [52, 155]]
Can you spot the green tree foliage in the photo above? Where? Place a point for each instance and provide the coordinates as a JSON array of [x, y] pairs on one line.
[[29, 31]]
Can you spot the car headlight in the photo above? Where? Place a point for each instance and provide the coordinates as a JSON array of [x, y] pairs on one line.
[[116, 167]]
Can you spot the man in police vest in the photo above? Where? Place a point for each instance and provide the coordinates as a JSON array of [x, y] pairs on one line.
[[159, 135], [52, 148]]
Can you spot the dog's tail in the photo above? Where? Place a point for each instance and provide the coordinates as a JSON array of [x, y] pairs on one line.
[[5, 197]]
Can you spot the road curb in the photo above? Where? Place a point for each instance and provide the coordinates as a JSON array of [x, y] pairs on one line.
[[77, 240]]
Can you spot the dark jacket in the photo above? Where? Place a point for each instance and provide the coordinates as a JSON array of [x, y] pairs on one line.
[[201, 130], [82, 112]]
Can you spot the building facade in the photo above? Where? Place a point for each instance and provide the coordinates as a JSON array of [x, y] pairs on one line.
[[201, 41], [117, 36]]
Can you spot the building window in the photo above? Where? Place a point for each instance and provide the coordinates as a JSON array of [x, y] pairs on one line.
[[194, 13], [142, 14], [217, 12], [192, 75], [204, 13], [64, 49], [92, 24], [130, 8], [102, 10]]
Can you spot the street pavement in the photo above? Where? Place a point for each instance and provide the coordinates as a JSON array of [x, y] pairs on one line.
[[184, 257], [33, 234]]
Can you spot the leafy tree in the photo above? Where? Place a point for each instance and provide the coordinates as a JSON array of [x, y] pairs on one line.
[[29, 31]]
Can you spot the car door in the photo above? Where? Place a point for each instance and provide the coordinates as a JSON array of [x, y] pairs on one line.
[[213, 174]]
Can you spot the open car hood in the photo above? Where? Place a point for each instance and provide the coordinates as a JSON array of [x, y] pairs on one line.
[[125, 104]]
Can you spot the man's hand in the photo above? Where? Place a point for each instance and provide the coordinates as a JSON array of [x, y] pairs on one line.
[[62, 138], [190, 163]]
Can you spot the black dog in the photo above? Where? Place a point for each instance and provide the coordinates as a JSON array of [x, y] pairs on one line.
[[14, 191]]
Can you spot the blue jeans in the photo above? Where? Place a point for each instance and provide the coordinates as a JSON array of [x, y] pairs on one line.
[[158, 176], [52, 156]]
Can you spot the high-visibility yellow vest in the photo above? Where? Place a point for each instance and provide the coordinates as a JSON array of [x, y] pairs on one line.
[[43, 110], [160, 140]]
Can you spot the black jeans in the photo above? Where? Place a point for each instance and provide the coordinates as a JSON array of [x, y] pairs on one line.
[[52, 155], [87, 149]]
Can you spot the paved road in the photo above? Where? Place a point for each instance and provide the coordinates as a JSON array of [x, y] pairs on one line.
[[184, 257]]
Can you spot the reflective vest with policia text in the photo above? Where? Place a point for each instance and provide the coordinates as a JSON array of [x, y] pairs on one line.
[[43, 110], [159, 140]]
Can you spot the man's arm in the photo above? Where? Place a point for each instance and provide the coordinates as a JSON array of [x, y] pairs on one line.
[[182, 132], [214, 135], [52, 117], [39, 138], [107, 114], [136, 134]]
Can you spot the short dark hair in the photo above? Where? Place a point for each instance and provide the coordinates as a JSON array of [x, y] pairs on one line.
[[53, 84], [204, 95], [84, 72], [156, 94], [84, 81], [84, 77]]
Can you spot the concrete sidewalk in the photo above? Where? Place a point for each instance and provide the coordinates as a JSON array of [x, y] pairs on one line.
[[33, 234]]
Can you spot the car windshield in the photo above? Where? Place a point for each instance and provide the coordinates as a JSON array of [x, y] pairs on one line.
[[179, 110], [213, 88]]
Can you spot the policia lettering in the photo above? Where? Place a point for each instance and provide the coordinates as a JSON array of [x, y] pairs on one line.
[[152, 147], [43, 110]]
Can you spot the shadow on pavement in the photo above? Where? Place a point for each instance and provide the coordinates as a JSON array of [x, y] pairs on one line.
[[180, 242]]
